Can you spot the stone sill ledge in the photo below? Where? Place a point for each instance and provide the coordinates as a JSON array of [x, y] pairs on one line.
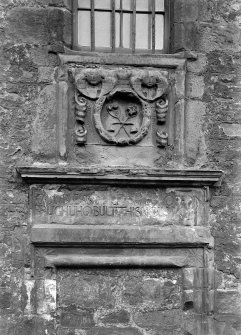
[[121, 176], [172, 61], [152, 236]]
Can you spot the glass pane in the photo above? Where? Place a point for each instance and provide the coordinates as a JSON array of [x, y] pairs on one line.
[[84, 28], [84, 3], [143, 4], [159, 32], [159, 5], [142, 31], [102, 29], [117, 30], [103, 4], [127, 4], [127, 30], [117, 4]]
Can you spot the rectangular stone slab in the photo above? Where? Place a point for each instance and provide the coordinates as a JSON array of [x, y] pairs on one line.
[[120, 235], [106, 205]]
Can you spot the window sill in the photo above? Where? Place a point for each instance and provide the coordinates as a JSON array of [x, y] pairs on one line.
[[174, 61]]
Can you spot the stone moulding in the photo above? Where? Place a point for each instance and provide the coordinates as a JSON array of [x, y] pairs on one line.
[[124, 177], [71, 260], [156, 61], [109, 236]]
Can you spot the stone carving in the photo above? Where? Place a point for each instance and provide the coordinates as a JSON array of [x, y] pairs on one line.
[[150, 85], [122, 101], [122, 118], [81, 135], [161, 109], [80, 113], [92, 83], [162, 139]]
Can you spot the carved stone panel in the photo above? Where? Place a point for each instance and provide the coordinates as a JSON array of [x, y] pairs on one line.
[[125, 115], [103, 205], [124, 101]]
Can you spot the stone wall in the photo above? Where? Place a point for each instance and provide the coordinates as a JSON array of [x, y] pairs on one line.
[[32, 33]]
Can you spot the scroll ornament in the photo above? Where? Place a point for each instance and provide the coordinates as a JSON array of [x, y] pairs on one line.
[[122, 102]]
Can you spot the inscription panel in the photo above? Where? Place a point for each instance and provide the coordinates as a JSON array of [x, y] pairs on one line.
[[118, 206]]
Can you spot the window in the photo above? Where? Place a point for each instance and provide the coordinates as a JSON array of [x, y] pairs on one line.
[[137, 26]]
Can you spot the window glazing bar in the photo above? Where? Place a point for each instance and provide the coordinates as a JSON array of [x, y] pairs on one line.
[[133, 33], [113, 26], [127, 11], [75, 23], [121, 24], [167, 21], [153, 27], [92, 23]]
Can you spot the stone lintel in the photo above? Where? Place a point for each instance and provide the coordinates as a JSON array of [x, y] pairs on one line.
[[108, 236], [62, 260], [176, 61], [121, 177]]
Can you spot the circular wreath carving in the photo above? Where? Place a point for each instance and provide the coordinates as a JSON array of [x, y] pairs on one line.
[[122, 118]]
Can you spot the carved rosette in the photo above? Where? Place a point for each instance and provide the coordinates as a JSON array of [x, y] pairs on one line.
[[121, 102]]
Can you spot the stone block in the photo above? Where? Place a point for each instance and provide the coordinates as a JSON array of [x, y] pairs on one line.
[[231, 130], [199, 66], [45, 74], [198, 301], [39, 26], [159, 320], [195, 113], [191, 10], [116, 317], [45, 298], [227, 324], [228, 302], [178, 37], [209, 301], [179, 10], [44, 127], [32, 325], [188, 300], [188, 278], [191, 35], [77, 319], [61, 3], [5, 298], [114, 331], [195, 86]]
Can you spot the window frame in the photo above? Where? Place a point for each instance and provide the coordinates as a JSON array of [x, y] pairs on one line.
[[168, 19]]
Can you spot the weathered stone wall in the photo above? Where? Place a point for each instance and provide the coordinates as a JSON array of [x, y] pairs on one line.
[[32, 33], [212, 29]]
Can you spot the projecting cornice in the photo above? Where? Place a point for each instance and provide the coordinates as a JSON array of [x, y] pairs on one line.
[[120, 176]]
